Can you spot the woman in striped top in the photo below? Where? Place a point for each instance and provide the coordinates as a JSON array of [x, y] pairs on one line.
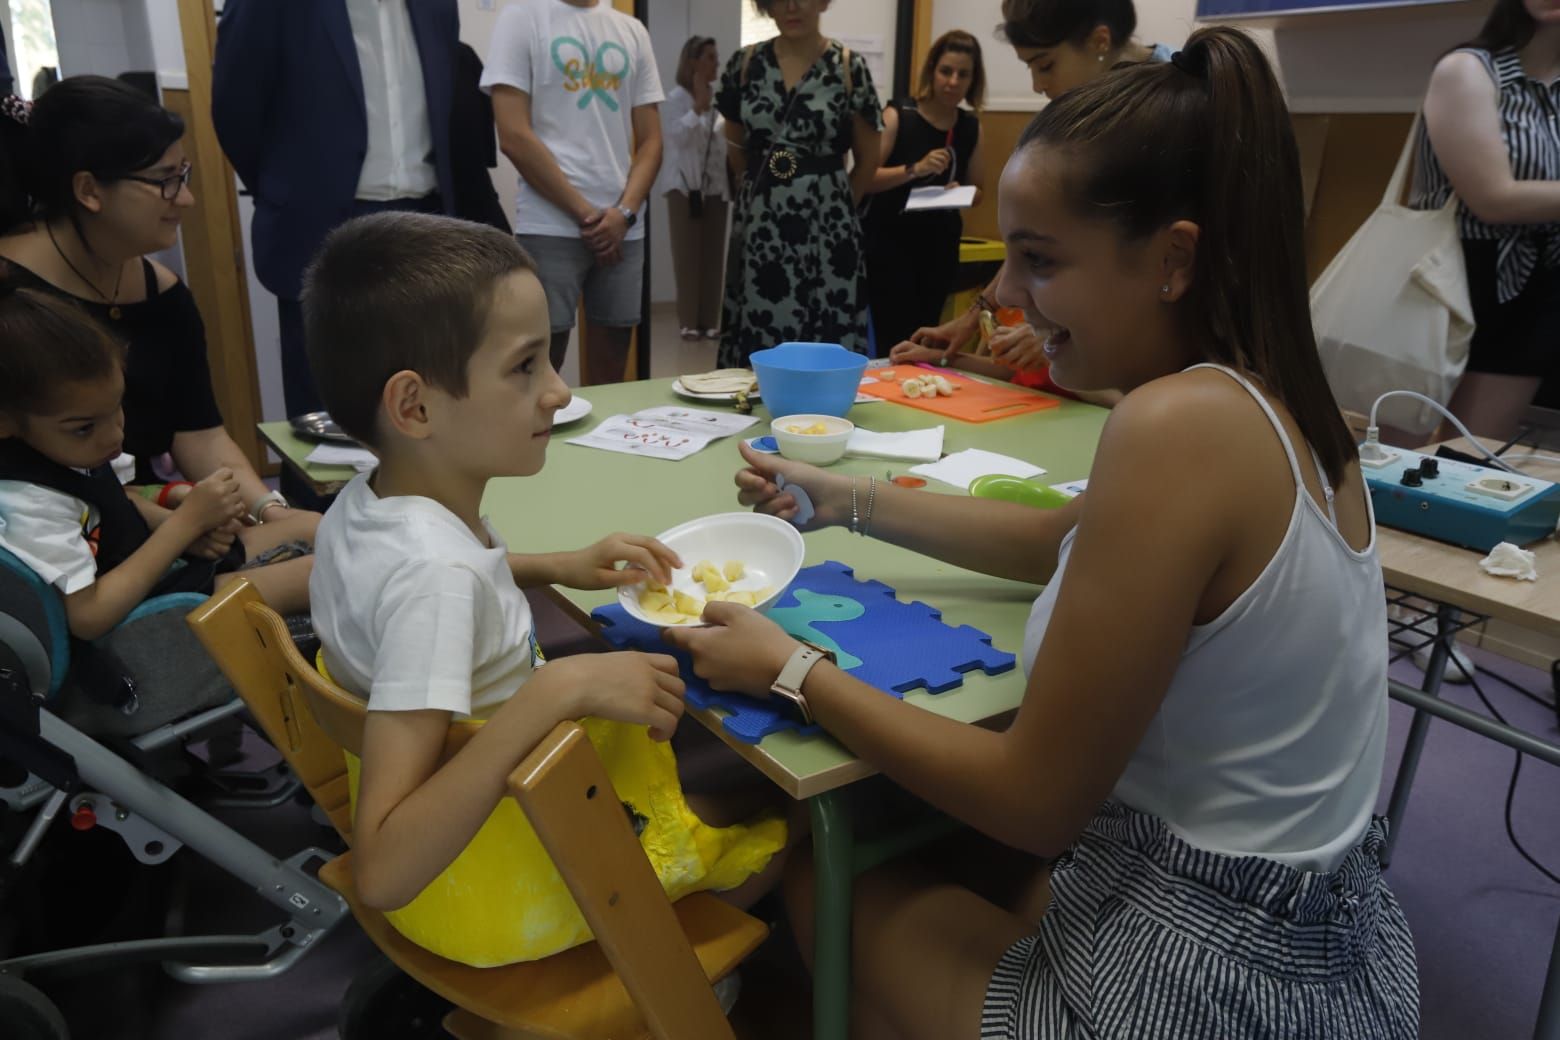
[[1492, 137]]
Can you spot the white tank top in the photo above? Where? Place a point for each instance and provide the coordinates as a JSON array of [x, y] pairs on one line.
[[1270, 739]]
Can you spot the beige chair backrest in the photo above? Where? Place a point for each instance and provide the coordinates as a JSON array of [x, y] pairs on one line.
[[564, 790]]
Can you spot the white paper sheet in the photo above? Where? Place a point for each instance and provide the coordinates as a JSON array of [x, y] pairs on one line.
[[962, 197], [665, 432], [964, 466], [360, 459], [910, 446]]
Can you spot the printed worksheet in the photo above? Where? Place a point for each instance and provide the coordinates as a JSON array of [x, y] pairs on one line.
[[664, 432]]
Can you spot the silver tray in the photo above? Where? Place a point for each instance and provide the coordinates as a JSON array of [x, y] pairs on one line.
[[319, 426]]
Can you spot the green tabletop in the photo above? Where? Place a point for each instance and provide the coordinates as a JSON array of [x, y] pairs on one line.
[[586, 493]]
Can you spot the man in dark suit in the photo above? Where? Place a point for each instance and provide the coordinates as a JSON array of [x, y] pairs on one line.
[[329, 109]]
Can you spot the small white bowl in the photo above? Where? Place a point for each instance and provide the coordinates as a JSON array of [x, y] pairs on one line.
[[770, 549], [817, 448]]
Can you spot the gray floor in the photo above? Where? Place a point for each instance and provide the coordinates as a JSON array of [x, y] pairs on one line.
[[1483, 919]]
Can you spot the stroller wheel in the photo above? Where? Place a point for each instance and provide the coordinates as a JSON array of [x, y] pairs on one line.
[[27, 1013]]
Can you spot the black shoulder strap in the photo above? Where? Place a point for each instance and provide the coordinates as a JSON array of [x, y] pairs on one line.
[[150, 274], [122, 528]]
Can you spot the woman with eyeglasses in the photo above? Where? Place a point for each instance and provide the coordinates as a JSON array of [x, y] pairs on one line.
[[93, 176]]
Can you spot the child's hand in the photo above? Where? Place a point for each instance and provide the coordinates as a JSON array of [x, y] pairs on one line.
[[908, 353], [214, 544], [741, 650], [640, 689], [595, 566], [212, 502], [1019, 347]]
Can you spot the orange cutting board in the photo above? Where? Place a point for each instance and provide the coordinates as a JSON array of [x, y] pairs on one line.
[[975, 401]]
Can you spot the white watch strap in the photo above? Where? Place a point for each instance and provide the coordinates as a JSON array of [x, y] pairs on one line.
[[788, 683]]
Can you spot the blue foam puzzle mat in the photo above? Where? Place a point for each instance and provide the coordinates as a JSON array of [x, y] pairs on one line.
[[885, 643]]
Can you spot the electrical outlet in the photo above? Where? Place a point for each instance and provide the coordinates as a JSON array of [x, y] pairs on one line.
[[1378, 457], [1503, 488]]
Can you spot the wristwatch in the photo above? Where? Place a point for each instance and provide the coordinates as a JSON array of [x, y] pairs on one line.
[[788, 684], [630, 217], [264, 502]]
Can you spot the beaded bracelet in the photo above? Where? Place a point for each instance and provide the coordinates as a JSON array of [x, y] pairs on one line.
[[866, 521], [855, 517]]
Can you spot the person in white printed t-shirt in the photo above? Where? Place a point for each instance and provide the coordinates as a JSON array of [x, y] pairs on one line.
[[575, 87]]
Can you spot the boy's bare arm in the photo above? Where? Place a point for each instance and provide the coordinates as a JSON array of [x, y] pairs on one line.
[[595, 566], [415, 816]]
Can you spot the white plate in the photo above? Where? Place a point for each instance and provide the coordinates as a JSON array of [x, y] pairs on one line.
[[770, 549], [695, 395], [577, 409]]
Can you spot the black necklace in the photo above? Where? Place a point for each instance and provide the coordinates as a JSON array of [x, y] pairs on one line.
[[113, 302]]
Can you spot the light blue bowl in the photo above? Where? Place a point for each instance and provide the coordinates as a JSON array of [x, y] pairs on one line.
[[796, 378]]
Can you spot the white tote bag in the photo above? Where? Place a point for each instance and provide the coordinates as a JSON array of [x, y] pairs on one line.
[[1392, 311]]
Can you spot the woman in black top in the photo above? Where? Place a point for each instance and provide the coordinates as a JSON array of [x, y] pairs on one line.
[[93, 177], [912, 258]]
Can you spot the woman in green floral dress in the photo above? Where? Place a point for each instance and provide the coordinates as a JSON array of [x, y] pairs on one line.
[[794, 106]]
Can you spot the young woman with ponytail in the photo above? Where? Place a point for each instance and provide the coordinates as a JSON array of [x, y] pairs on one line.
[[1200, 745]]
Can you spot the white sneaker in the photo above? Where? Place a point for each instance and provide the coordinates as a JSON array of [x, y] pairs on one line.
[[1451, 673]]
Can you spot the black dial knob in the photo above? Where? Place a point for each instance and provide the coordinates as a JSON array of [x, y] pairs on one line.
[[1429, 468], [1411, 478]]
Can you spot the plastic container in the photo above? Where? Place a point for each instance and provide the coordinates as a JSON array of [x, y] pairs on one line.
[[808, 378], [1016, 489], [822, 447], [770, 549]]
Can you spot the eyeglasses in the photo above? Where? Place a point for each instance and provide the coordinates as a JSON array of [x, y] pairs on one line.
[[170, 186]]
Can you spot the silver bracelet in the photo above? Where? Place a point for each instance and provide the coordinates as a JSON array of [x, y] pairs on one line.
[[866, 521], [855, 517]]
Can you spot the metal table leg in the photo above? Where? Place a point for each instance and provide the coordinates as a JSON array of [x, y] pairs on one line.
[[1435, 669], [832, 856]]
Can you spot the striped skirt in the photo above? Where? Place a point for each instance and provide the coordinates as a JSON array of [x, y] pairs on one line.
[[1148, 937]]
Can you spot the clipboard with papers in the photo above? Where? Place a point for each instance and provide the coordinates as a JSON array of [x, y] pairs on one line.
[[937, 197]]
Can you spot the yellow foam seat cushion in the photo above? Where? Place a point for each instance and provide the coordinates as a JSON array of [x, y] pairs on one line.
[[502, 901]]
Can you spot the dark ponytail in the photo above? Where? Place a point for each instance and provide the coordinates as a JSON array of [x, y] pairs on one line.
[[1207, 138], [1509, 25], [81, 124], [1046, 23]]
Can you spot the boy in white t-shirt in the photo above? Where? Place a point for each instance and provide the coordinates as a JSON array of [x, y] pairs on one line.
[[429, 342], [575, 88]]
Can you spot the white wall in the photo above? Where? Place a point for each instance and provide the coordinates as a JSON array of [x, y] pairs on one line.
[[105, 37]]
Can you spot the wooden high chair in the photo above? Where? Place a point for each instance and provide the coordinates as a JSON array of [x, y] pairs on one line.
[[649, 971]]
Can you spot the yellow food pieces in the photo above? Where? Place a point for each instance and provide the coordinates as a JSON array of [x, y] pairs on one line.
[[665, 606], [928, 386], [811, 431]]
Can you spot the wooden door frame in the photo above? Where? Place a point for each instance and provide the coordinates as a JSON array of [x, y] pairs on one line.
[[213, 241]]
